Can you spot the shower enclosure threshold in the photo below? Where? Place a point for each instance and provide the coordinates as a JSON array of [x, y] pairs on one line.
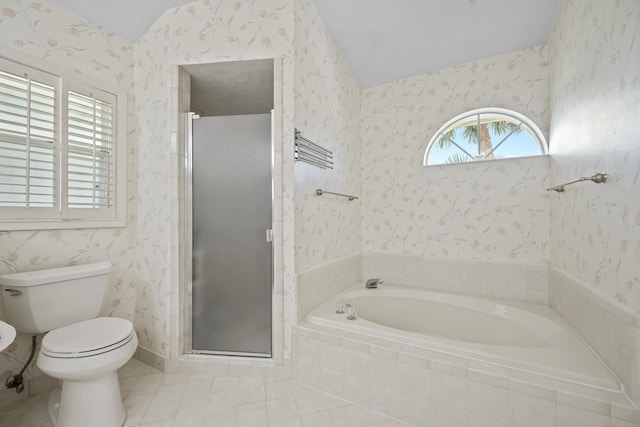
[[229, 354]]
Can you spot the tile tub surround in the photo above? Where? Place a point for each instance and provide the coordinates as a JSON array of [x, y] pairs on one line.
[[319, 284], [509, 280], [520, 336], [610, 328], [153, 399], [427, 388]]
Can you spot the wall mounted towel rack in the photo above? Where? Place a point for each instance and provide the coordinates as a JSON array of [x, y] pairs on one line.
[[320, 192], [309, 152], [598, 178]]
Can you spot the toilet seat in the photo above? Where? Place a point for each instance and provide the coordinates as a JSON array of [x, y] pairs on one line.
[[89, 338]]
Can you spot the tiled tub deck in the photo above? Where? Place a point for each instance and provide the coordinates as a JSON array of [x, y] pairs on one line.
[[429, 388]]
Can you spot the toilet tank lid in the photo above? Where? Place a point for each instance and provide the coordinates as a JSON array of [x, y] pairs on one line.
[[53, 275]]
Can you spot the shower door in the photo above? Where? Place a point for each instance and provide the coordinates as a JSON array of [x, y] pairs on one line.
[[231, 226]]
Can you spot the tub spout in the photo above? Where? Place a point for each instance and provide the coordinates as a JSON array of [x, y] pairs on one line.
[[373, 283]]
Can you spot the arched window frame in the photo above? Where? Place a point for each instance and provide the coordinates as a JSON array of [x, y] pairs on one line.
[[516, 117]]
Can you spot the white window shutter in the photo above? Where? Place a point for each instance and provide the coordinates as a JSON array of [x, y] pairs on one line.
[[89, 157], [28, 144], [59, 162]]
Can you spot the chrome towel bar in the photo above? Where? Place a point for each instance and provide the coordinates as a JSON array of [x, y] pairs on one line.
[[320, 192], [598, 178], [309, 152]]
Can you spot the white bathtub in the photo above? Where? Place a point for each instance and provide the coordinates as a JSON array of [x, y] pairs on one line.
[[526, 337]]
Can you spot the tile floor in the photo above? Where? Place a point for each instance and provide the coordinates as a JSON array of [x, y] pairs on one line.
[[154, 399]]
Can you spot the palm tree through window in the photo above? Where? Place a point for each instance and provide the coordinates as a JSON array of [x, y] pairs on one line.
[[485, 134]]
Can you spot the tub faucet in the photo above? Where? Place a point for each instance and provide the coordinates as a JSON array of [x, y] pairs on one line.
[[373, 283]]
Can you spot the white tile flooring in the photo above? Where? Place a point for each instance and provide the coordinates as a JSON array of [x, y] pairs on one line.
[[154, 399]]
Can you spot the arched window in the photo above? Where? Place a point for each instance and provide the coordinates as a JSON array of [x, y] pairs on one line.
[[502, 134]]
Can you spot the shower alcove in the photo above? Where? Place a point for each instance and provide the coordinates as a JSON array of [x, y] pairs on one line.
[[226, 94]]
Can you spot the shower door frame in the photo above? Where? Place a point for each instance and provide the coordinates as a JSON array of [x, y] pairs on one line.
[[180, 343], [188, 230]]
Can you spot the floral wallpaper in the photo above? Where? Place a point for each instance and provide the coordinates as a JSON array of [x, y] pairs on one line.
[[199, 32], [496, 210], [327, 111], [595, 110], [48, 33]]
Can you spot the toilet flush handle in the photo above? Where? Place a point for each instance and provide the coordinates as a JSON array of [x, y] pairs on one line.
[[13, 292]]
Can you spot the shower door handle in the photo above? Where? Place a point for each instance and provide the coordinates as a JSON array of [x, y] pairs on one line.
[[269, 235]]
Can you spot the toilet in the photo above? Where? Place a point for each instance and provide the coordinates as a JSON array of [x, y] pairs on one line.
[[80, 349]]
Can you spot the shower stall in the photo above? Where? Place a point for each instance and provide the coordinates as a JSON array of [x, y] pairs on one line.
[[228, 216]]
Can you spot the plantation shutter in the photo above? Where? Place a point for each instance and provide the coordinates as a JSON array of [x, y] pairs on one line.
[[58, 139], [90, 155], [28, 143]]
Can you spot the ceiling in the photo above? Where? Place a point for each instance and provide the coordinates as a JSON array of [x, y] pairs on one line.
[[387, 40], [382, 40]]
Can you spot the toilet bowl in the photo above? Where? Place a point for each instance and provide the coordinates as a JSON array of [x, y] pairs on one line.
[[85, 356], [80, 349]]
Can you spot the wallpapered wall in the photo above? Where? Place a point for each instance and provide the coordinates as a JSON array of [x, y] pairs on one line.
[[45, 32], [595, 108], [327, 111], [484, 211], [199, 32]]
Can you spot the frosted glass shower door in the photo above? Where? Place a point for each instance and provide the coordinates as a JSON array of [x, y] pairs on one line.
[[232, 256]]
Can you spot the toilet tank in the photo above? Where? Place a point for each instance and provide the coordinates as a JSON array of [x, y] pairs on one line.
[[42, 300]]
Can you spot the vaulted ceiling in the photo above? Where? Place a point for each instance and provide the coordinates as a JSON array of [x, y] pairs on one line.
[[382, 40]]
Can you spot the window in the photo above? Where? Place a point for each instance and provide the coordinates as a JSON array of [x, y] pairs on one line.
[[60, 166], [502, 134]]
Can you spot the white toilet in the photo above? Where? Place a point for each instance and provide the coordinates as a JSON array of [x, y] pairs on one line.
[[82, 350]]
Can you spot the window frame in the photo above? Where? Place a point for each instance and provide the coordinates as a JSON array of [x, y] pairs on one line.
[[526, 122], [62, 216]]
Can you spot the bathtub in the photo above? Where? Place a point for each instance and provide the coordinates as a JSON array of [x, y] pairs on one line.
[[525, 337]]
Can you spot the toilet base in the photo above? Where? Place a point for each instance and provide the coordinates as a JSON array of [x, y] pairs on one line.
[[95, 403]]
